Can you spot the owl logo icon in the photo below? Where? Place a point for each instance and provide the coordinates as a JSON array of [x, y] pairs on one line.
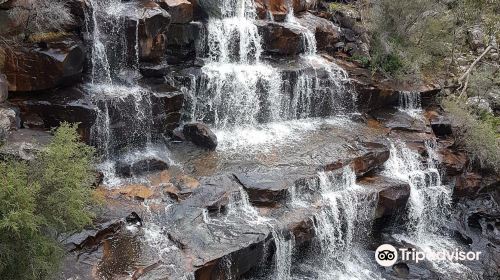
[[386, 255]]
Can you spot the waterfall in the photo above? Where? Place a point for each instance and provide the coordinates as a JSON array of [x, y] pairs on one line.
[[347, 213], [429, 206], [240, 210], [430, 199], [124, 121], [235, 88], [238, 88], [308, 36], [411, 103]]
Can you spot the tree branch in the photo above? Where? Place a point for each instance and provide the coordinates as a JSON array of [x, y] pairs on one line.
[[466, 75]]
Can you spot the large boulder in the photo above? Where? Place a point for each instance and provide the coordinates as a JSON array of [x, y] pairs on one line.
[[476, 38], [24, 144], [371, 157], [271, 187], [281, 38], [181, 11], [4, 88], [279, 8], [471, 183], [128, 168], [453, 161], [327, 34], [45, 65], [151, 23], [392, 194], [200, 135], [9, 120]]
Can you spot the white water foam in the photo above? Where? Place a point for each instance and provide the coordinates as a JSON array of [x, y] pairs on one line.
[[411, 103], [347, 214], [124, 121], [429, 205]]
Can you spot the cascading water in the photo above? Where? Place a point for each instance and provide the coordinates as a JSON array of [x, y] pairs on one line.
[[124, 121], [238, 89], [411, 103], [429, 199], [240, 210], [235, 87], [347, 214], [429, 205]]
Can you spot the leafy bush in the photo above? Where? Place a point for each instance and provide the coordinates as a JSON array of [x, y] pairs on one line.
[[478, 136], [408, 36], [41, 200]]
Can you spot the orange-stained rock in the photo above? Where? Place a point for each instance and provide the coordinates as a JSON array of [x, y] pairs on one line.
[[139, 192], [279, 8], [181, 11], [281, 38]]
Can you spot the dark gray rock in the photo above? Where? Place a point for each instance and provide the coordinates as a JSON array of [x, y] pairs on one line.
[[24, 144], [4, 88], [281, 38], [9, 120], [326, 32], [392, 194], [181, 11], [149, 164], [51, 65], [441, 126], [201, 135]]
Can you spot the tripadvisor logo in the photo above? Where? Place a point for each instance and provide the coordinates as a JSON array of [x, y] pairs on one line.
[[387, 255]]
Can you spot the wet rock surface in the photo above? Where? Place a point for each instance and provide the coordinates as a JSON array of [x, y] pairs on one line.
[[48, 109], [281, 38], [200, 134], [327, 34], [392, 194], [225, 213], [151, 23], [142, 166], [45, 66], [181, 11]]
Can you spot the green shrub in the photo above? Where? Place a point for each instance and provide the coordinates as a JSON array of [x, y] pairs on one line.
[[41, 200], [362, 60], [476, 134], [408, 37]]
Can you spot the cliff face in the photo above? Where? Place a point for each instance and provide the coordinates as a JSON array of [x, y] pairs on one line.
[[310, 151]]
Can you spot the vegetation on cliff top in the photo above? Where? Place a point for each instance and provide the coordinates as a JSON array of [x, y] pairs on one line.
[[41, 200], [426, 38]]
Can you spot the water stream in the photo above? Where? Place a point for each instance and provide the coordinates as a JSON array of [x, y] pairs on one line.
[[249, 101], [238, 88], [124, 127]]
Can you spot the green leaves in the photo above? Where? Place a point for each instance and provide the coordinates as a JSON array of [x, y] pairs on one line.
[[49, 195], [477, 136]]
